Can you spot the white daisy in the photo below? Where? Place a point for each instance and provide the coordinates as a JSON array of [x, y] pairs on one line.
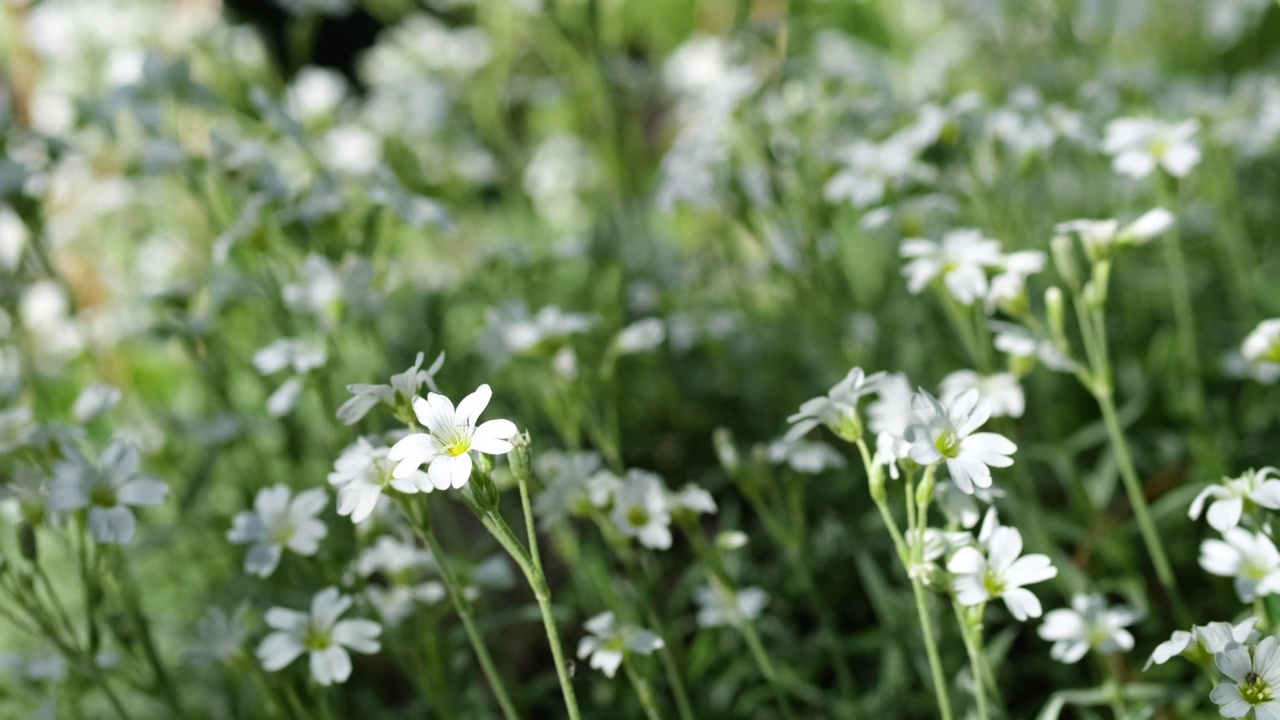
[[108, 489], [1088, 624], [610, 642], [960, 260], [452, 434], [321, 634], [945, 433], [1234, 496], [1000, 574], [1255, 681], [1138, 145], [363, 472], [279, 520], [1250, 558], [641, 509], [838, 409]]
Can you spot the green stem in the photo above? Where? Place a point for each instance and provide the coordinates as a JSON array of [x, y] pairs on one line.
[[973, 646], [462, 607], [915, 554], [671, 670], [112, 697], [642, 691]]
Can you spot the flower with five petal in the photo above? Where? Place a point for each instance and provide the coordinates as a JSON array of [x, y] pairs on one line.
[[961, 260], [1203, 641], [279, 520], [838, 409], [1234, 496], [108, 489], [403, 387], [1255, 681], [609, 643], [1252, 559], [1088, 624], [363, 472], [452, 435], [1000, 574], [1138, 145], [642, 510], [945, 433], [321, 634]]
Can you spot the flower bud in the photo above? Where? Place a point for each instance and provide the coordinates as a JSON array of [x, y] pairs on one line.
[[27, 541], [521, 456], [731, 540], [1053, 304], [1064, 259], [875, 484], [484, 490], [924, 491], [726, 451]]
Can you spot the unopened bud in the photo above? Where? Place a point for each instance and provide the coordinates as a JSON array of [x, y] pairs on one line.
[[1054, 307], [1064, 259], [731, 540], [484, 490], [849, 428], [521, 457], [924, 491], [875, 484], [726, 450]]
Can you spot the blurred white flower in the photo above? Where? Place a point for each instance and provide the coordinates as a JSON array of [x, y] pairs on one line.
[[1234, 496], [561, 167], [718, 606], [891, 411], [321, 634], [1001, 390], [641, 336], [1138, 145], [692, 499], [452, 434], [363, 472], [13, 239], [838, 409], [1102, 237], [945, 433], [351, 149], [1001, 573], [402, 389], [1008, 289], [609, 643], [16, 428], [567, 491], [300, 355], [641, 509], [94, 400], [961, 260], [962, 508], [108, 490], [1089, 624], [731, 540], [1255, 680], [314, 93], [219, 637], [805, 456], [1250, 558], [521, 333], [279, 520], [1261, 349], [318, 291], [391, 556], [871, 170], [1204, 641]]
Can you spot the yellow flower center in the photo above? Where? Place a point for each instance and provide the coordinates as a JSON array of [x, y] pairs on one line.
[[103, 496], [638, 516], [992, 583], [316, 639], [1255, 690], [947, 443]]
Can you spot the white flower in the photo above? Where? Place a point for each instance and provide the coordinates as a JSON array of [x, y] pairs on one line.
[[94, 400], [960, 260], [1251, 559], [279, 520], [13, 239], [567, 492], [351, 150], [641, 509], [962, 508], [550, 326], [719, 606], [838, 409], [1001, 390], [1009, 288], [889, 450], [1203, 641], [363, 472], [891, 411], [403, 387], [321, 634], [1255, 681], [314, 93], [301, 356], [1000, 574], [945, 433], [1020, 342], [1138, 145], [108, 490], [392, 557], [452, 434], [1236, 495], [609, 643], [1261, 349], [319, 291], [731, 540], [805, 456], [1102, 237], [871, 169], [641, 336], [692, 499], [1089, 624], [220, 637], [16, 428]]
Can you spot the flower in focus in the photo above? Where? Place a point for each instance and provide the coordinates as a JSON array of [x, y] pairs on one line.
[[363, 472], [1138, 145], [609, 643], [718, 606], [1001, 390], [279, 520], [1236, 496], [1088, 624], [321, 634], [1255, 681], [961, 260], [1000, 574], [108, 490], [641, 509], [1204, 641], [403, 388], [945, 433], [452, 434], [838, 409], [1250, 558]]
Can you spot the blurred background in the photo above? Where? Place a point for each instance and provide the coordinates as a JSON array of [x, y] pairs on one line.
[[717, 191]]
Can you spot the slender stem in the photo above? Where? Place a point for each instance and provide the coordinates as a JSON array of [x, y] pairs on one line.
[[973, 646], [1133, 487], [542, 593], [462, 607], [112, 697], [915, 554], [642, 691], [766, 665], [1183, 314], [671, 670]]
